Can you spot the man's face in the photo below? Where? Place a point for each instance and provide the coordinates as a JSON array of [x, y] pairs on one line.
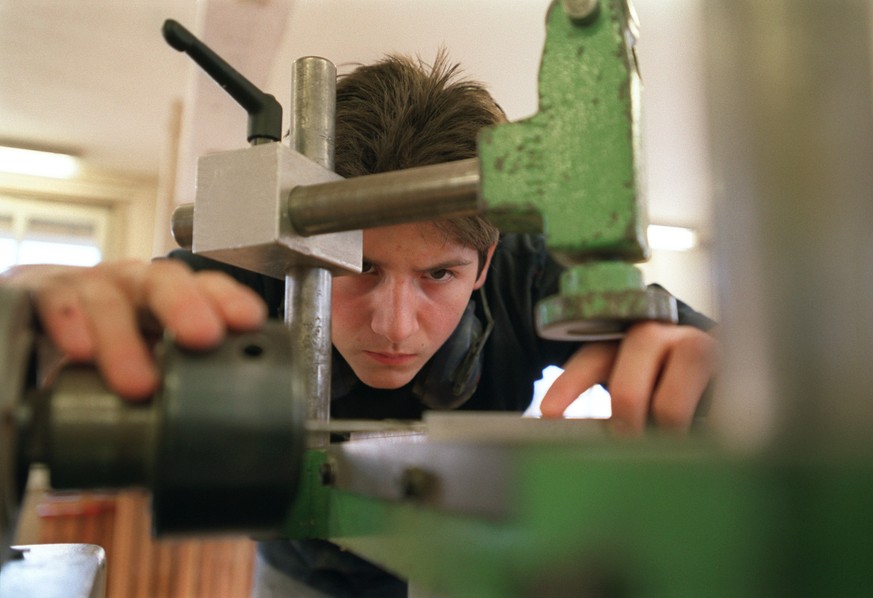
[[389, 320]]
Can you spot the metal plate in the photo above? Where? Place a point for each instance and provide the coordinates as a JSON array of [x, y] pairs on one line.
[[464, 463], [55, 571]]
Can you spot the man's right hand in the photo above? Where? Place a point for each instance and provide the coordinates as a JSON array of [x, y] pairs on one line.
[[95, 314]]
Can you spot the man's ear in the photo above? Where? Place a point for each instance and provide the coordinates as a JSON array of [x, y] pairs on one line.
[[484, 273]]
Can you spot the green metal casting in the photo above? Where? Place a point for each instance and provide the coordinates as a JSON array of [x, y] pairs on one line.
[[655, 518], [571, 168], [600, 300], [571, 171]]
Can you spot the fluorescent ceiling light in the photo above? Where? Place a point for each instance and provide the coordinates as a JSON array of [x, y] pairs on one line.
[[672, 238], [45, 164]]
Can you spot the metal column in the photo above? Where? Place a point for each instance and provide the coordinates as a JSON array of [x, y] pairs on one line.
[[308, 289]]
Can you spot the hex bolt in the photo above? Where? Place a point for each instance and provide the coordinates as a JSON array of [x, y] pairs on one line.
[[326, 474], [416, 483], [580, 12]]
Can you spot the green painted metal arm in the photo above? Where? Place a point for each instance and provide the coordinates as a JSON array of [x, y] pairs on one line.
[[572, 171], [572, 167]]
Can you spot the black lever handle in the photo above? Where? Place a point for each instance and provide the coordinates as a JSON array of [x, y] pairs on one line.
[[265, 113]]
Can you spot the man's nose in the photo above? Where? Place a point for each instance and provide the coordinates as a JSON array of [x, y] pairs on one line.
[[394, 311]]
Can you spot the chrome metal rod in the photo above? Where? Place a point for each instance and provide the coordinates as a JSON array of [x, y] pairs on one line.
[[308, 316], [313, 112], [423, 193], [308, 290], [182, 225]]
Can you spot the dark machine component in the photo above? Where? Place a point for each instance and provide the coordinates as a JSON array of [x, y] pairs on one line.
[[220, 444], [16, 334], [231, 439]]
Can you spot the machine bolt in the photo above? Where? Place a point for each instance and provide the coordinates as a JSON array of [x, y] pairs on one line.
[[416, 483], [326, 474], [581, 12]]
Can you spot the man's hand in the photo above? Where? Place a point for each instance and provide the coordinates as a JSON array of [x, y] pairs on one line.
[[657, 373], [94, 314]]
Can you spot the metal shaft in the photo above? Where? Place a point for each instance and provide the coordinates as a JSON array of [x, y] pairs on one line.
[[308, 290], [440, 191], [308, 317], [182, 225], [425, 193], [313, 109]]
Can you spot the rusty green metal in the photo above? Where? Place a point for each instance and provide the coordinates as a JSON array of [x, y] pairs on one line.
[[658, 518], [571, 171], [572, 167], [600, 300]]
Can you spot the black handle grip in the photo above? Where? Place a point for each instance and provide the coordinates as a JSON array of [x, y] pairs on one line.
[[265, 113]]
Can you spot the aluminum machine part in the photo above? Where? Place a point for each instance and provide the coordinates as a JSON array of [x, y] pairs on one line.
[[571, 171], [240, 214]]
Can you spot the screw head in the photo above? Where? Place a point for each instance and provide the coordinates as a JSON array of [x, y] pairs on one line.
[[580, 12], [326, 474], [416, 483]]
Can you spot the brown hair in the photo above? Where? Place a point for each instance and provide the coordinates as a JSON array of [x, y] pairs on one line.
[[400, 113]]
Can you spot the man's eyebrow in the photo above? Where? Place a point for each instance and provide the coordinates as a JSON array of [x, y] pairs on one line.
[[446, 265]]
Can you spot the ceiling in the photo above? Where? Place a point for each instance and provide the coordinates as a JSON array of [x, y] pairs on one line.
[[95, 77]]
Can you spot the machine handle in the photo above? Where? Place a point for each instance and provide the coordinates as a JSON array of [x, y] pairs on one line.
[[265, 112]]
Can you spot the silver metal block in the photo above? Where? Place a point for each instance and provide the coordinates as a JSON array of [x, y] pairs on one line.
[[240, 214]]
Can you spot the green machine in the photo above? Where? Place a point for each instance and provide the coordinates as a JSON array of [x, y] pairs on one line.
[[572, 171], [496, 505]]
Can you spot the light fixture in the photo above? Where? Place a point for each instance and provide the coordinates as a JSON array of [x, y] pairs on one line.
[[37, 163], [672, 238]]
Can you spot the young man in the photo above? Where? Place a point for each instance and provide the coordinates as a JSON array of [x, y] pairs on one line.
[[403, 327]]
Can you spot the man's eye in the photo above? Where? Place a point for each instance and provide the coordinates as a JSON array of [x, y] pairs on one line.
[[366, 268], [441, 274]]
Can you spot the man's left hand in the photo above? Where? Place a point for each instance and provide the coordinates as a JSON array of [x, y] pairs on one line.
[[656, 374]]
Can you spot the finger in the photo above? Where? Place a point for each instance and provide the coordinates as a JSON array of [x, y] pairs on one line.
[[120, 351], [167, 289], [239, 306], [177, 301], [590, 365], [687, 372], [633, 379], [57, 305], [65, 321]]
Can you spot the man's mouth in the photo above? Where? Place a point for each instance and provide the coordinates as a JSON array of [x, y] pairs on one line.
[[395, 359]]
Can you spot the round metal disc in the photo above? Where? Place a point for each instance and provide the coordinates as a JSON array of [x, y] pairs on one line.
[[602, 315], [231, 436]]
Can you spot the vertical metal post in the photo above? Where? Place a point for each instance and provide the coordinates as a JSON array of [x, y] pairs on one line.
[[308, 290], [313, 109], [792, 147]]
